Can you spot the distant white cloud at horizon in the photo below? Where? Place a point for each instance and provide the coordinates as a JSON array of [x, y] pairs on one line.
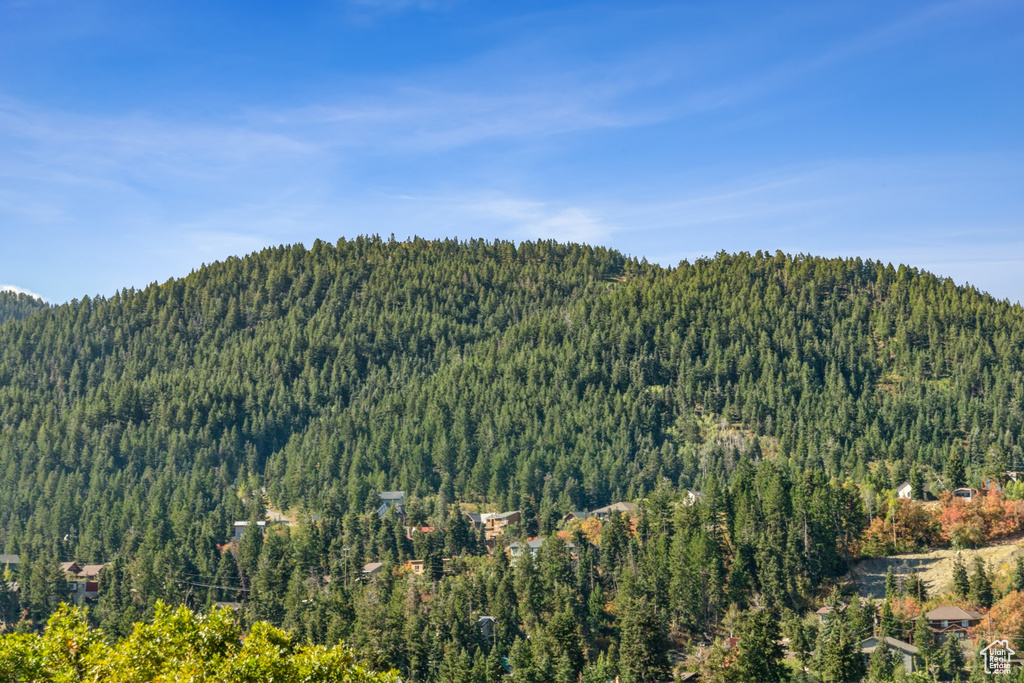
[[139, 142]]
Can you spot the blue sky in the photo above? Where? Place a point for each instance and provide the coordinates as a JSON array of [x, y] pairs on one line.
[[140, 140]]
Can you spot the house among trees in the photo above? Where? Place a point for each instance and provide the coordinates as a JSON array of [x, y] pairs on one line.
[[692, 498], [391, 499], [602, 513], [531, 545], [12, 562], [371, 569], [414, 566], [906, 490], [82, 582], [905, 651], [966, 494], [486, 626], [949, 620], [239, 529], [494, 523], [824, 613], [606, 512]]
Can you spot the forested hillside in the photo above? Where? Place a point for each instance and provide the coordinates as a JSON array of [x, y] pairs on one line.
[[15, 306], [540, 377]]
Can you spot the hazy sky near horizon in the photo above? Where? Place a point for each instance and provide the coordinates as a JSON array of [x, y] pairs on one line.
[[140, 140]]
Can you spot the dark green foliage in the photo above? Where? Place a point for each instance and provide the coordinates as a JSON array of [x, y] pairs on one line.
[[15, 306], [914, 587], [881, 666], [916, 483], [838, 656], [1017, 580], [954, 472], [643, 646], [887, 623], [952, 660], [961, 584], [980, 584], [759, 653], [924, 641], [539, 377]]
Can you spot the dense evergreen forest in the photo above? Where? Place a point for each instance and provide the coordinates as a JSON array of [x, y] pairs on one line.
[[15, 306], [134, 430]]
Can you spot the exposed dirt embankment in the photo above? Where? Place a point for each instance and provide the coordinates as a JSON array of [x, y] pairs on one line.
[[935, 567]]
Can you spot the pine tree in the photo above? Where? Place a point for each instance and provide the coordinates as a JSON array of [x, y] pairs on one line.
[[890, 583], [880, 664], [916, 483], [887, 625], [838, 658], [914, 587], [952, 659], [980, 584], [759, 654], [643, 646], [954, 472], [597, 671], [8, 598], [924, 641], [961, 584], [1017, 581]]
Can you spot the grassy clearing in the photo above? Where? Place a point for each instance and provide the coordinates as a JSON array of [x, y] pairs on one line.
[[935, 568]]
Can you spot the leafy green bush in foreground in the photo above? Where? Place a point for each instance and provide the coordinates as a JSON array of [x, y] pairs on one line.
[[177, 646]]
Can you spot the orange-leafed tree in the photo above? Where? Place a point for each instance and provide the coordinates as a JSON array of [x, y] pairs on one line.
[[905, 527], [1007, 616]]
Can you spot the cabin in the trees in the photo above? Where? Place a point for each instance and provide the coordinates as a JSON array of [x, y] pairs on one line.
[[82, 582], [12, 562], [391, 499], [530, 545], [607, 511], [949, 620], [905, 490], [371, 569], [692, 498], [603, 513], [825, 613], [239, 529], [905, 651], [494, 523], [486, 626], [415, 566], [965, 494], [70, 570]]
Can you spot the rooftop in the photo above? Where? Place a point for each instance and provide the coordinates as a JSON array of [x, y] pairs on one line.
[[894, 643], [952, 613]]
